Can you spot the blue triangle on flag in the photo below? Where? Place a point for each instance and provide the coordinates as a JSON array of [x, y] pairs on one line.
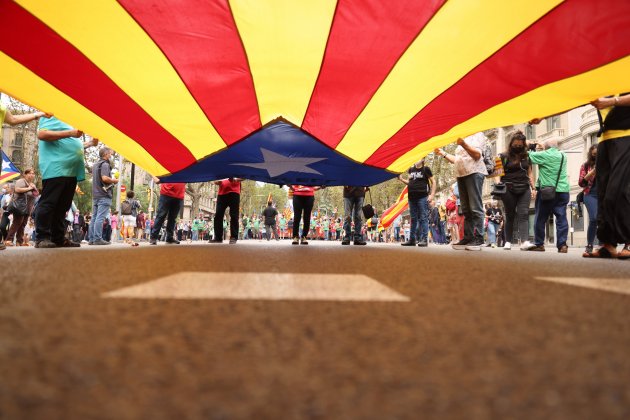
[[281, 153]]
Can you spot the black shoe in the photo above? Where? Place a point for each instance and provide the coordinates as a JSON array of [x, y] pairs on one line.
[[215, 241], [409, 243], [45, 243], [423, 244], [345, 242], [152, 241], [101, 242], [232, 241], [461, 245], [475, 245], [172, 241], [360, 242], [67, 243]]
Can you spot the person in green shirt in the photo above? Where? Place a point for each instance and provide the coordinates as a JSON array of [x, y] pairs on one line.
[[552, 171]]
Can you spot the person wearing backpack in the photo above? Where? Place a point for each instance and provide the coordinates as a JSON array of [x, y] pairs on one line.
[[129, 212], [471, 171], [420, 192]]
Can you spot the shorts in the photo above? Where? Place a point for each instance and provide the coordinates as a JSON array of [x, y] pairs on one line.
[[129, 221]]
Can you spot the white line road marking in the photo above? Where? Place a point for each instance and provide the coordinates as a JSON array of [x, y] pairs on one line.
[[606, 284], [265, 286]]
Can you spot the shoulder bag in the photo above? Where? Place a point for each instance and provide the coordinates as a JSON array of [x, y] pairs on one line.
[[549, 193]]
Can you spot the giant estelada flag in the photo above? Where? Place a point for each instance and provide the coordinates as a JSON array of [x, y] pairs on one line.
[[9, 170], [302, 91]]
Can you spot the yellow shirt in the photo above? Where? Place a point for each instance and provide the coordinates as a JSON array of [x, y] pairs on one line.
[[3, 113]]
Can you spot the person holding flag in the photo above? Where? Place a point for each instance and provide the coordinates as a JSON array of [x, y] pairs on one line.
[[353, 198]]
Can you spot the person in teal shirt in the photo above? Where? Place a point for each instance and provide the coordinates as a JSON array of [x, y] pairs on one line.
[[552, 171], [61, 164]]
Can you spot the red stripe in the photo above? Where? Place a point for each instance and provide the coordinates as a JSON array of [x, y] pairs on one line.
[[366, 40], [59, 63], [575, 37], [202, 42]]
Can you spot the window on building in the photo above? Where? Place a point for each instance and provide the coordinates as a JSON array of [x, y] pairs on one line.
[[17, 141], [16, 157], [530, 132], [553, 123]]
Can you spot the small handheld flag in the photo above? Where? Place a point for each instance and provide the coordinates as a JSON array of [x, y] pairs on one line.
[[9, 170]]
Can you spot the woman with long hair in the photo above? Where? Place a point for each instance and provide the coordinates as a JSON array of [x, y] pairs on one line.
[[519, 181], [588, 183], [26, 191]]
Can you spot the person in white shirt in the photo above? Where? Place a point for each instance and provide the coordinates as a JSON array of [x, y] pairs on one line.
[[471, 171]]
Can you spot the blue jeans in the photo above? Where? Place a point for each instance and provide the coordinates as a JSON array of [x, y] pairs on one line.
[[470, 187], [492, 232], [100, 211], [195, 235], [557, 206], [419, 211], [590, 201], [352, 212]]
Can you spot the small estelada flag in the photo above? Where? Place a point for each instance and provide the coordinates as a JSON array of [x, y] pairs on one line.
[[9, 170]]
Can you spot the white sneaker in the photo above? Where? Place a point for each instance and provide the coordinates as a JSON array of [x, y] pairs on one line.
[[493, 245], [507, 246], [526, 245]]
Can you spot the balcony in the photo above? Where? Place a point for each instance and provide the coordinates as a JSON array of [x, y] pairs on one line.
[[557, 133]]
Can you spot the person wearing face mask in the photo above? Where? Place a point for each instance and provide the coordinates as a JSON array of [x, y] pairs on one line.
[[519, 181], [588, 183]]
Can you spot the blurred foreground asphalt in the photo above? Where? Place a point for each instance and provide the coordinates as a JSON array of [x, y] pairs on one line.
[[267, 330]]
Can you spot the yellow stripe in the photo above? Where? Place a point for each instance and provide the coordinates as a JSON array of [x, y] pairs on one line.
[[460, 36], [21, 83], [105, 33], [546, 100], [614, 134], [285, 42]]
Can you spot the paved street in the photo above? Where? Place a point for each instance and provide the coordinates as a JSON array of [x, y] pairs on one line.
[[270, 330]]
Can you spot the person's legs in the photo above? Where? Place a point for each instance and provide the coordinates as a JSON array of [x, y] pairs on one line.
[[51, 194], [474, 186], [423, 219], [308, 208], [17, 229], [174, 206], [522, 216], [160, 216], [414, 213], [492, 233], [357, 205], [222, 204], [590, 201], [560, 212], [543, 210], [58, 225], [468, 229], [348, 204], [298, 208], [101, 208], [509, 204]]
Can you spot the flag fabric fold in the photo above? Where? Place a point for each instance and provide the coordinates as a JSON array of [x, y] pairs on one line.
[[389, 215]]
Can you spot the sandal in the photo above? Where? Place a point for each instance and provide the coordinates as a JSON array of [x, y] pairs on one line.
[[625, 253], [602, 252]]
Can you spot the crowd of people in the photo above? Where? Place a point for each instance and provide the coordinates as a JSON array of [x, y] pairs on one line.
[[50, 219]]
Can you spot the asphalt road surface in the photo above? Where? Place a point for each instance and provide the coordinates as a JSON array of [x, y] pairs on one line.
[[267, 330]]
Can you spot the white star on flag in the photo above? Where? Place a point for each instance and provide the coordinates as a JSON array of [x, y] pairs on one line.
[[276, 164]]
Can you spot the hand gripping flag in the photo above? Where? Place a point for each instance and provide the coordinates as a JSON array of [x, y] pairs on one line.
[[9, 170], [389, 215], [306, 92]]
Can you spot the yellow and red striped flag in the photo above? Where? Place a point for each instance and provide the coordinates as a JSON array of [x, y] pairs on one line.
[[389, 215]]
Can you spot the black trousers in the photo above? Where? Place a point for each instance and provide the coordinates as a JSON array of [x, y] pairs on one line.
[[168, 209], [302, 204], [613, 191], [56, 199], [516, 210], [233, 201]]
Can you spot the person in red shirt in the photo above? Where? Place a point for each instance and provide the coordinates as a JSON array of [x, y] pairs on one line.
[[171, 200], [303, 200], [229, 196]]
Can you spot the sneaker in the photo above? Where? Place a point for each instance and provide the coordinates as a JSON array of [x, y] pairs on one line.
[[526, 245], [101, 242], [493, 245], [475, 245], [507, 246], [537, 248], [588, 251], [360, 242], [232, 241], [296, 241], [303, 241], [45, 243], [461, 245], [172, 241], [423, 244], [215, 241], [563, 249], [409, 243], [346, 242]]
